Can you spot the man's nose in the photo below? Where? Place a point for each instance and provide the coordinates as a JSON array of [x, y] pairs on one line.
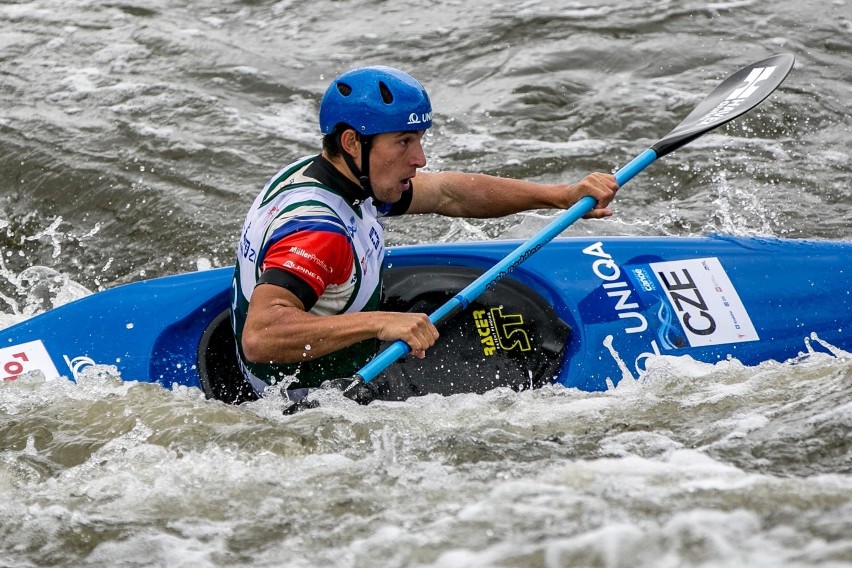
[[419, 155]]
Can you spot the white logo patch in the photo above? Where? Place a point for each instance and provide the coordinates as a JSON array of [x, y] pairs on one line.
[[414, 118]]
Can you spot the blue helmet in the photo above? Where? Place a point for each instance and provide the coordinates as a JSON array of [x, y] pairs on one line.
[[373, 100]]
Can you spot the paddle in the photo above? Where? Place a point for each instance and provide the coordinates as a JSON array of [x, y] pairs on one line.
[[735, 96]]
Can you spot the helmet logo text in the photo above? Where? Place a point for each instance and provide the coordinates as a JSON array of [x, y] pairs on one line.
[[414, 118]]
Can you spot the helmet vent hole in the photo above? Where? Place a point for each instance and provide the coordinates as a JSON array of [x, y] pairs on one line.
[[387, 96], [344, 89]]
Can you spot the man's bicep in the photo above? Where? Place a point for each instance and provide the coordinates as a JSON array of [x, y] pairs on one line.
[[298, 288], [266, 298]]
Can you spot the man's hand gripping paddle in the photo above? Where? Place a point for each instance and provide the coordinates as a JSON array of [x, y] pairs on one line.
[[735, 96]]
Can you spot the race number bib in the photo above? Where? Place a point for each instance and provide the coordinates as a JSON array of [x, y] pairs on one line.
[[705, 302]]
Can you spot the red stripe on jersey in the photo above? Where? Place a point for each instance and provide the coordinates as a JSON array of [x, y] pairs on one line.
[[318, 258]]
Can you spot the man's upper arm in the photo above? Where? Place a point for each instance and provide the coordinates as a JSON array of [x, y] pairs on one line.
[[427, 195], [307, 262]]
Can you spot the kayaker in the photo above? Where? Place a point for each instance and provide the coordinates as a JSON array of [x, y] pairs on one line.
[[307, 284]]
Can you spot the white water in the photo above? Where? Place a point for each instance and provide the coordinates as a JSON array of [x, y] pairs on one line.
[[710, 465]]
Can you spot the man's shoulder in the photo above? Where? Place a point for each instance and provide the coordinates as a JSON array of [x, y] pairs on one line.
[[294, 185], [293, 169]]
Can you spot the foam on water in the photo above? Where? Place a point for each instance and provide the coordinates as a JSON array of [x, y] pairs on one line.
[[106, 467]]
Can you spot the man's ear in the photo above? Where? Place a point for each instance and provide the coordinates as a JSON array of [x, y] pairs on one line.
[[351, 143]]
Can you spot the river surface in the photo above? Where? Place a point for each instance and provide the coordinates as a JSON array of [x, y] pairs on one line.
[[134, 136]]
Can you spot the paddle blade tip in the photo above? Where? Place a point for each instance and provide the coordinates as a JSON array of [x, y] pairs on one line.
[[733, 97]]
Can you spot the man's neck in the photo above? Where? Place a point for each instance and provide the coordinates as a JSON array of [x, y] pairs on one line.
[[335, 176], [340, 165]]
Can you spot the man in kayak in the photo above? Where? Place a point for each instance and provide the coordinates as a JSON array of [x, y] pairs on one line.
[[307, 284]]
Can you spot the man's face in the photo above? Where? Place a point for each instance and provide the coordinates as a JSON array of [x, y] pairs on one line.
[[394, 160]]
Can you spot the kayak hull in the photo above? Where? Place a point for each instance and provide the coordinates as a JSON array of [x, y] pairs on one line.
[[610, 303]]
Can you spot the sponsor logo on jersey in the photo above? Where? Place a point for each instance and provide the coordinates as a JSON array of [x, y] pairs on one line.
[[289, 264], [312, 257]]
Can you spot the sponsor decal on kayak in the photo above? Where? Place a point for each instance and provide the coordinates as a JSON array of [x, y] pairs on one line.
[[616, 286], [77, 364], [500, 332], [685, 302], [662, 307], [644, 279], [17, 360]]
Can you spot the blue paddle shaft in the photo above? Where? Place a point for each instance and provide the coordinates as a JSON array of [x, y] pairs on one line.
[[635, 166], [476, 288]]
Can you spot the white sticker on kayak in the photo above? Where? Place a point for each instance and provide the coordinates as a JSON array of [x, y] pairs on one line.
[[706, 303], [17, 360]]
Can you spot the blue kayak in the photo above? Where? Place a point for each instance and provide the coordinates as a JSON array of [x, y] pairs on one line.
[[583, 312]]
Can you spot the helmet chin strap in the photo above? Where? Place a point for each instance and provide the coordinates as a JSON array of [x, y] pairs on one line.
[[362, 174]]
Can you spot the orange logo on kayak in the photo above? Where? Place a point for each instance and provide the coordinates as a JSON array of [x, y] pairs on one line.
[[500, 332]]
